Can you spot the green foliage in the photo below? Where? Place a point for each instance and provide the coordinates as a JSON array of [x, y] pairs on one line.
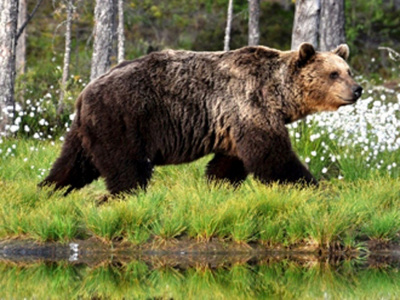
[[383, 226], [370, 24]]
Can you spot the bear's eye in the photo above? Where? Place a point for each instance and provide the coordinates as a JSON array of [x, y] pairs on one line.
[[334, 75]]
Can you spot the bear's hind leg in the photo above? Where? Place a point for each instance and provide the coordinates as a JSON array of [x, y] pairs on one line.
[[73, 169], [223, 167], [131, 175]]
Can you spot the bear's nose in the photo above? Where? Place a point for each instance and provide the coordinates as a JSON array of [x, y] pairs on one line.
[[357, 91]]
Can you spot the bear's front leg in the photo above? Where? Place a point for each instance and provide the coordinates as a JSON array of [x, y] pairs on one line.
[[224, 167], [286, 170], [269, 156]]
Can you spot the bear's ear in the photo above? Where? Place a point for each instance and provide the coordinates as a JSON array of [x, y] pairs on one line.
[[306, 51], [343, 51]]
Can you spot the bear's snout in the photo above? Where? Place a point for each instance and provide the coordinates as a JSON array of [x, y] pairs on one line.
[[357, 91]]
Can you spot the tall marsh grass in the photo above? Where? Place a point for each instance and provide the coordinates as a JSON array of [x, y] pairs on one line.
[[340, 211]]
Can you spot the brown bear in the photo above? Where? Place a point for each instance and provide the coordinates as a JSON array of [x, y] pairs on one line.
[[173, 107]]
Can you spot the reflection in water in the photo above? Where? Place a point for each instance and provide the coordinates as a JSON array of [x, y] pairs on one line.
[[158, 277]]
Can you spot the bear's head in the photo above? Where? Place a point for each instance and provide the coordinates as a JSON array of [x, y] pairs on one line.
[[325, 78]]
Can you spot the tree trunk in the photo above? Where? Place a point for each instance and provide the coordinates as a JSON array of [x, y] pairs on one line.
[[254, 28], [396, 4], [67, 54], [306, 23], [103, 37], [8, 30], [121, 36], [332, 31], [21, 27], [228, 26], [285, 4], [20, 56]]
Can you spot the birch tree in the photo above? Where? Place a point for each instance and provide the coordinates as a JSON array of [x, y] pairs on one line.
[[228, 26], [69, 4], [306, 23], [8, 31], [103, 37], [254, 27], [20, 56], [332, 26], [120, 30]]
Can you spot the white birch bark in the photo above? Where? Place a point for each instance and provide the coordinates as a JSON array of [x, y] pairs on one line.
[[103, 37], [306, 23], [20, 56], [254, 27], [121, 35], [332, 27], [8, 30], [228, 26], [67, 54]]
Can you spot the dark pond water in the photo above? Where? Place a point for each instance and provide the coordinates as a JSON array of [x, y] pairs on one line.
[[66, 274]]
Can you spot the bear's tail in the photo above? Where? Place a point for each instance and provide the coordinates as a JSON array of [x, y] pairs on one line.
[[74, 168]]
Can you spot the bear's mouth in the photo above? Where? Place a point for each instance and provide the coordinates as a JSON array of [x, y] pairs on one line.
[[348, 101]]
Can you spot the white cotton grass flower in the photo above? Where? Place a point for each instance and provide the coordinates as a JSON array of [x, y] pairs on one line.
[[14, 128], [372, 126]]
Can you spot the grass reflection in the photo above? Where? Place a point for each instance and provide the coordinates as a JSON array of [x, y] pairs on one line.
[[284, 279]]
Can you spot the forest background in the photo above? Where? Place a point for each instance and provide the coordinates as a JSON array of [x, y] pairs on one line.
[[193, 24]]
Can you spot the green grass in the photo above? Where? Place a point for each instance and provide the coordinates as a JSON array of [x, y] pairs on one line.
[[179, 202], [136, 280]]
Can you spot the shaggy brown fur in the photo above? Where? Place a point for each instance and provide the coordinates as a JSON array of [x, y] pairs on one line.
[[173, 107]]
